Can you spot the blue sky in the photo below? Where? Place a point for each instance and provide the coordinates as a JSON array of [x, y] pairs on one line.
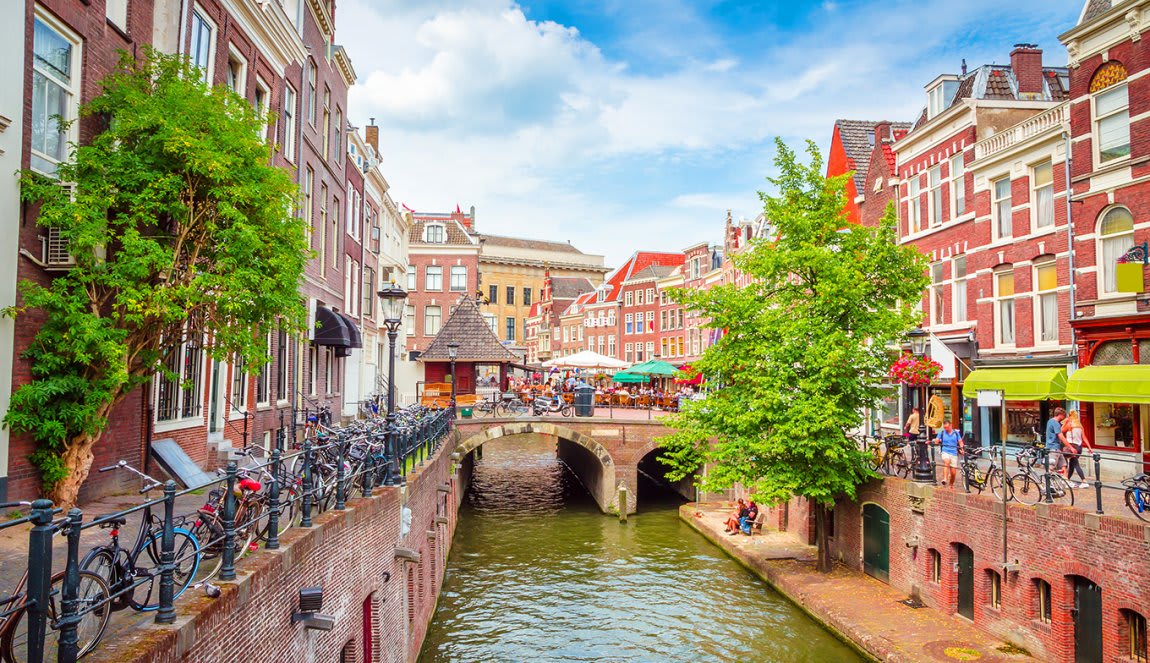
[[635, 124]]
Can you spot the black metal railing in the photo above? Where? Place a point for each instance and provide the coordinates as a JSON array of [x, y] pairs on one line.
[[320, 470]]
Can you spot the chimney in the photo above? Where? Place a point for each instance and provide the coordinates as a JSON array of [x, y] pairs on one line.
[[881, 131], [372, 136], [1026, 61]]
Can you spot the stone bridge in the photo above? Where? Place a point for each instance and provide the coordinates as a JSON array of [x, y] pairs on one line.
[[603, 453]]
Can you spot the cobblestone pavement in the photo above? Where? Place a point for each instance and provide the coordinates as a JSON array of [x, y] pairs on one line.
[[861, 609]]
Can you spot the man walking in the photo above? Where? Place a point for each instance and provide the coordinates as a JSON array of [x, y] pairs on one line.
[[951, 445], [1056, 441]]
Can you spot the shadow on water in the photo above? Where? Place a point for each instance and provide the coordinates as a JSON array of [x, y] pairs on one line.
[[537, 573]]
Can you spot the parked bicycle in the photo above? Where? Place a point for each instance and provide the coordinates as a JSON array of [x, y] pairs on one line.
[[1138, 495], [980, 478], [133, 574], [94, 609], [888, 455], [1030, 483]]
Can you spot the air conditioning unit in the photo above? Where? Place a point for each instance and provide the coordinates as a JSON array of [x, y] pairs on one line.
[[56, 252]]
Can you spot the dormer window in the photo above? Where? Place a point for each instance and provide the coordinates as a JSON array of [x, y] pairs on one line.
[[433, 233], [939, 94]]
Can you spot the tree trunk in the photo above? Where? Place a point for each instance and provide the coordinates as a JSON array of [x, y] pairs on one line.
[[825, 563], [78, 459]]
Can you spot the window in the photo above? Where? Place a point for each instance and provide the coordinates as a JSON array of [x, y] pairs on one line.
[[55, 82], [369, 291], [629, 324], [628, 351], [329, 375], [431, 317], [1046, 278], [958, 288], [235, 77], [650, 295], [1004, 287], [312, 369], [913, 209], [178, 385], [639, 323], [337, 150], [1136, 635], [282, 365], [958, 184], [335, 232], [308, 192], [458, 278], [312, 74], [409, 319], [1116, 233], [1042, 181], [527, 296], [935, 566], [323, 229], [263, 380], [936, 196], [1042, 588], [411, 278], [116, 11], [639, 297], [599, 344], [1002, 217], [995, 597], [510, 295], [650, 348], [937, 295], [433, 277], [289, 122], [1112, 117], [492, 294], [629, 299], [610, 346], [200, 51], [650, 321], [325, 140], [509, 329]]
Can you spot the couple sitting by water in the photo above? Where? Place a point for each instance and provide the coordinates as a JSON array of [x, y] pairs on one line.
[[742, 518]]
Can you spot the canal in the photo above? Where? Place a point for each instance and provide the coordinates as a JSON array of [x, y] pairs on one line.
[[537, 573]]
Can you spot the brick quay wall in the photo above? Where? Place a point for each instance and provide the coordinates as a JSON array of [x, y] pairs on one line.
[[379, 584]]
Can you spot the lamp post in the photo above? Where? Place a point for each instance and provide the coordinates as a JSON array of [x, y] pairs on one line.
[[452, 353], [923, 469], [392, 298]]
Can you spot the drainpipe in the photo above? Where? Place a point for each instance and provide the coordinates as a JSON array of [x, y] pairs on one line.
[[1070, 248]]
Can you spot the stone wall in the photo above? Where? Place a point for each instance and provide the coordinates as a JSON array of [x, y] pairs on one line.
[[380, 584]]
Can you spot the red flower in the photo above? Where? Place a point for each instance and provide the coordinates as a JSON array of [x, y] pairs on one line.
[[914, 371]]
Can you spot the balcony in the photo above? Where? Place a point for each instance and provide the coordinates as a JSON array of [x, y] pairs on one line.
[[1057, 118]]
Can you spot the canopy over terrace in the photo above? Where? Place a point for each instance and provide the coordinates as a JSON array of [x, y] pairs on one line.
[[475, 344], [586, 359]]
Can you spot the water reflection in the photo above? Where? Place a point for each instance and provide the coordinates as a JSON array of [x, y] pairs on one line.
[[536, 573]]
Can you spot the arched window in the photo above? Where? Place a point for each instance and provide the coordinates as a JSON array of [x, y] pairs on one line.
[[1135, 635], [1116, 237]]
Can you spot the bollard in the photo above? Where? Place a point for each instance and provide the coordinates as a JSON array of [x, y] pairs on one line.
[[1046, 476], [305, 517], [1098, 482], [341, 476], [39, 578], [274, 506], [69, 620], [167, 611], [622, 503], [228, 569]]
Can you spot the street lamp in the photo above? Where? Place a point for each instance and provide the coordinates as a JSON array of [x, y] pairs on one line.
[[452, 353], [392, 298], [923, 468]]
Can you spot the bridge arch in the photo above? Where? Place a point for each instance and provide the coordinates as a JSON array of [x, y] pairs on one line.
[[602, 481]]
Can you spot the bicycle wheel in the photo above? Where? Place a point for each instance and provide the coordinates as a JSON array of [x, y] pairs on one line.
[[1000, 484], [1136, 501], [95, 609], [146, 561], [875, 458], [1060, 490], [515, 408], [1026, 488]]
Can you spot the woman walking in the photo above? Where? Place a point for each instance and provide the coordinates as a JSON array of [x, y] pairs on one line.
[[1075, 435]]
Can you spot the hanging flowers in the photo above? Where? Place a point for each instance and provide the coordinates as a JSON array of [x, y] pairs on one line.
[[914, 371]]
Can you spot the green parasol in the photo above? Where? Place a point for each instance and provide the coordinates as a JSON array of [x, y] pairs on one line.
[[624, 378], [655, 367]]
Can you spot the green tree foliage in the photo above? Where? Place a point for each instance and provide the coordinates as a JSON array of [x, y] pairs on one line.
[[180, 228], [805, 350]]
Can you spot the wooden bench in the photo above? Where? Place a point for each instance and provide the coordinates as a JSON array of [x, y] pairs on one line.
[[760, 518]]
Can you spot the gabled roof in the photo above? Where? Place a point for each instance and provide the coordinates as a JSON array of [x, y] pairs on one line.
[[998, 82], [569, 287], [454, 233], [534, 244], [857, 137], [653, 272], [1094, 9], [466, 327], [637, 262], [577, 305]]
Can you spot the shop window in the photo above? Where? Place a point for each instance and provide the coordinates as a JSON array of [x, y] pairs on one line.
[[1135, 635], [994, 596], [1114, 425], [1042, 593], [935, 566], [1116, 237]]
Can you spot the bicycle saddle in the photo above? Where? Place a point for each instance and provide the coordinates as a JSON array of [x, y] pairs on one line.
[[114, 521]]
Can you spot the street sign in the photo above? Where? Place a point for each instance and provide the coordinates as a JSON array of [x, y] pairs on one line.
[[989, 398]]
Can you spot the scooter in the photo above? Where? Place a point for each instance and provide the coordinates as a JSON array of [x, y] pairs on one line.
[[541, 406]]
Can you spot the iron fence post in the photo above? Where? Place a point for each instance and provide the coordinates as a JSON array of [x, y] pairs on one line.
[[305, 517], [70, 600], [274, 506], [39, 578], [228, 570], [367, 473], [1098, 481], [341, 475], [1046, 476], [167, 611]]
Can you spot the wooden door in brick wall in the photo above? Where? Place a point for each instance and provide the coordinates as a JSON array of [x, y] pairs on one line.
[[965, 582], [876, 542], [1087, 622]]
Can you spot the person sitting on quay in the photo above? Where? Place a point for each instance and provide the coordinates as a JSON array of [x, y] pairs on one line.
[[732, 524], [951, 445], [746, 521]]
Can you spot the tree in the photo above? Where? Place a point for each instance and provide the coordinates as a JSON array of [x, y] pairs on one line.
[[805, 349], [180, 229]]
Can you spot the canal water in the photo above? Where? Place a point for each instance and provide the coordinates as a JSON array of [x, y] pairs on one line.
[[537, 573]]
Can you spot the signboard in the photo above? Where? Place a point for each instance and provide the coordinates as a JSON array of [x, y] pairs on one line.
[[988, 398]]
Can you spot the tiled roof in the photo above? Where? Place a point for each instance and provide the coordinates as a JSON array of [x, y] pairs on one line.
[[857, 137], [465, 325], [653, 272], [569, 287], [456, 234], [535, 244], [637, 262], [1094, 9], [998, 82]]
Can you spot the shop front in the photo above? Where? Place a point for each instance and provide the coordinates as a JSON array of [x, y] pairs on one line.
[[1013, 402]]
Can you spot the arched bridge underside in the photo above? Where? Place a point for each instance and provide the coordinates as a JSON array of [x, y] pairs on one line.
[[604, 454]]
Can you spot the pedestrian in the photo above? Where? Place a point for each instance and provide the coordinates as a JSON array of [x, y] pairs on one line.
[[1056, 442], [951, 444], [911, 430], [746, 521], [733, 521], [1075, 435]]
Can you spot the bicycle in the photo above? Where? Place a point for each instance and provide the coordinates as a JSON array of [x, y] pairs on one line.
[[94, 597], [887, 455], [1030, 485], [1138, 496], [209, 526], [978, 479], [128, 570]]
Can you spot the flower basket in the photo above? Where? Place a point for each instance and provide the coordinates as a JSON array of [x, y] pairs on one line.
[[914, 371]]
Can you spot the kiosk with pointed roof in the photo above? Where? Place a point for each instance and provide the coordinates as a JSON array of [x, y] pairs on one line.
[[475, 344]]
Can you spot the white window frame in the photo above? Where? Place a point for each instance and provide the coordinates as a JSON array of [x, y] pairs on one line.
[[116, 11], [427, 326], [240, 84], [41, 161], [311, 73], [913, 206], [957, 185], [440, 234], [412, 275], [264, 376], [213, 34], [1035, 224], [934, 196], [611, 346], [937, 293], [628, 298], [180, 394], [457, 270], [628, 323], [959, 284], [1107, 271], [289, 115], [996, 209], [1096, 121], [428, 276], [999, 300], [1041, 298]]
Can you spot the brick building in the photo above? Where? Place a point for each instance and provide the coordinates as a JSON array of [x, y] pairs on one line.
[[546, 335], [443, 264], [853, 143], [640, 307], [602, 316]]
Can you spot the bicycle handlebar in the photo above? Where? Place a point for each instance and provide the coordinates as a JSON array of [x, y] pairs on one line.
[[9, 505]]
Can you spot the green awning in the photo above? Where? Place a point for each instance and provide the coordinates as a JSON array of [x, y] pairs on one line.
[[656, 367], [1018, 384], [1110, 384], [623, 378]]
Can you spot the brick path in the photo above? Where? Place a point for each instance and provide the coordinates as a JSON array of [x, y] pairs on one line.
[[866, 612]]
